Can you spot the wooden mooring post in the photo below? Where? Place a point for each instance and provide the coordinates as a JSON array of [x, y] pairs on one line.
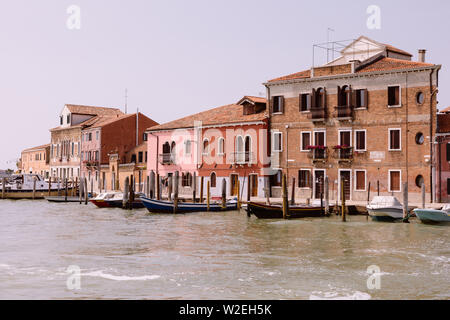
[[423, 195], [327, 196], [92, 188], [59, 188], [152, 185], [405, 203], [249, 189], [4, 188], [194, 187], [285, 197], [132, 191], [158, 187], [34, 188], [208, 195], [76, 186], [126, 193], [267, 190], [224, 193], [378, 187], [175, 193], [80, 191], [86, 193], [147, 186], [50, 186], [343, 201], [201, 189], [293, 192], [170, 187], [66, 190], [238, 194]]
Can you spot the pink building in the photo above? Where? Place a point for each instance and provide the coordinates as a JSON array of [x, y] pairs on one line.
[[442, 158]]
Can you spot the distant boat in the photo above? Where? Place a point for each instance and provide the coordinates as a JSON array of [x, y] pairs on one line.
[[118, 203], [102, 199], [159, 206], [432, 216], [20, 186], [264, 211], [385, 208]]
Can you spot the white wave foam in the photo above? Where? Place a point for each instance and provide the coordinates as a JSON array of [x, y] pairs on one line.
[[101, 274], [357, 295]]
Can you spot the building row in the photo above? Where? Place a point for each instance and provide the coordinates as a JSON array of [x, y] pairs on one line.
[[366, 120]]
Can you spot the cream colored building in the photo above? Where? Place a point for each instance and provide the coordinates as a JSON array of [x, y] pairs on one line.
[[36, 160]]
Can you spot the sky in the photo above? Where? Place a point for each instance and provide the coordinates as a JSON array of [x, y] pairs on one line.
[[179, 57]]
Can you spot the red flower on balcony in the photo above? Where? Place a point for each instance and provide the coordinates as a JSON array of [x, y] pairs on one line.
[[316, 147], [343, 146]]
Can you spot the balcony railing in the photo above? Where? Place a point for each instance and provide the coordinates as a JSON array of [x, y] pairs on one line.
[[166, 158], [318, 154], [90, 163], [243, 157], [344, 112], [318, 114], [343, 154]]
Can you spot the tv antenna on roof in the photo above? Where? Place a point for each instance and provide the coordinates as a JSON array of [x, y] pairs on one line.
[[328, 42], [126, 100]]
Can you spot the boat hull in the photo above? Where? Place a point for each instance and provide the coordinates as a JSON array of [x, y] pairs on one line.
[[263, 211], [158, 206], [386, 214], [100, 203], [28, 194], [430, 216], [137, 204]]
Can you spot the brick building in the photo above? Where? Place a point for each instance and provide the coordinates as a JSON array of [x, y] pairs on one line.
[[36, 160], [442, 159], [224, 143], [65, 146], [367, 117]]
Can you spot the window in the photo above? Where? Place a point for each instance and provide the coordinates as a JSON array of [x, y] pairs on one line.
[[448, 186], [394, 140], [61, 120], [133, 158], [305, 102], [186, 180], [304, 178], [420, 138], [420, 98], [221, 146], [90, 136], [82, 155], [361, 98], [360, 177], [394, 96], [146, 156], [68, 119], [419, 181], [275, 179], [360, 140], [320, 97], [278, 104], [97, 135], [448, 152], [145, 136], [277, 142], [319, 138], [213, 180], [187, 147], [205, 147], [305, 138], [73, 148], [96, 156], [394, 181], [344, 96], [140, 156]]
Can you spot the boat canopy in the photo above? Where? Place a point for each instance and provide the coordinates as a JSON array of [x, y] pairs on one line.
[[385, 201], [446, 207]]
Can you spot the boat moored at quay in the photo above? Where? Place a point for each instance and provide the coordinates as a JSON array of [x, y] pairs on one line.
[[28, 186]]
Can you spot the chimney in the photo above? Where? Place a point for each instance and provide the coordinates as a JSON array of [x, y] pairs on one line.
[[422, 55]]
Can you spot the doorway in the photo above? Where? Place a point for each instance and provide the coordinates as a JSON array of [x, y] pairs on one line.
[[253, 185], [319, 178], [345, 181], [234, 184]]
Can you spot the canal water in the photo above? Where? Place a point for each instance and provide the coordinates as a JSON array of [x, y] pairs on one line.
[[135, 255]]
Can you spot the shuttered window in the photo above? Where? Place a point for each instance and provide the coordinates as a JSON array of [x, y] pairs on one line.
[[394, 180], [448, 151], [360, 180], [305, 102], [278, 104], [277, 142], [394, 139], [360, 140], [394, 96], [306, 141], [304, 179], [361, 97], [448, 186]]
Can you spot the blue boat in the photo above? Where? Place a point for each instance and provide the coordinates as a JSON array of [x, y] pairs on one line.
[[160, 206], [432, 216]]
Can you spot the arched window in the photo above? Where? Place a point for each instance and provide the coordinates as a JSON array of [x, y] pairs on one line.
[[173, 147], [248, 148], [187, 147], [239, 149], [344, 96], [320, 93], [221, 146], [166, 147], [213, 180], [205, 147]]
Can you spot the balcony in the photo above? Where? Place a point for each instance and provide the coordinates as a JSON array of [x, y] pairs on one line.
[[344, 113], [343, 153], [166, 158], [91, 163], [318, 114], [243, 157], [318, 153]]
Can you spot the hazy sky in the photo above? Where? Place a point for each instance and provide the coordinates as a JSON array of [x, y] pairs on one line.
[[179, 57]]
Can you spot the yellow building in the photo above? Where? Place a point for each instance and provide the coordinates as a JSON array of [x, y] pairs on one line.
[[36, 160]]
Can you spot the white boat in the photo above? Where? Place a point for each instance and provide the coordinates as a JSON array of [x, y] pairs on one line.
[[20, 186], [385, 208], [102, 199], [433, 216]]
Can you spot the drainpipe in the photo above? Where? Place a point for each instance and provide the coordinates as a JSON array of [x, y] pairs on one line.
[[432, 93]]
